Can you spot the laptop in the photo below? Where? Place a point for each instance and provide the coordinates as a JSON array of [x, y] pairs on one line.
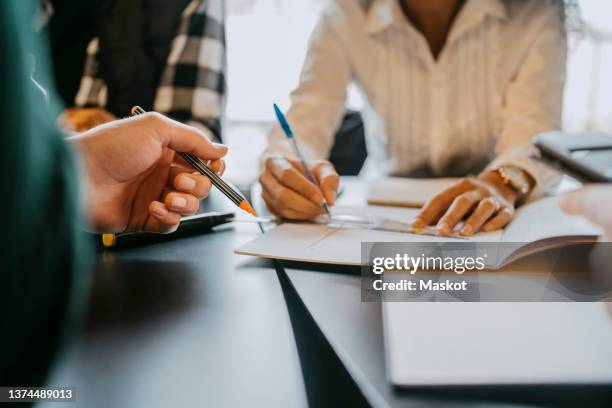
[[449, 344]]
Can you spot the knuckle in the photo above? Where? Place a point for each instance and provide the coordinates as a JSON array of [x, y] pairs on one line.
[[487, 203], [281, 195], [318, 163], [463, 200], [464, 182], [273, 163], [153, 117], [285, 175]]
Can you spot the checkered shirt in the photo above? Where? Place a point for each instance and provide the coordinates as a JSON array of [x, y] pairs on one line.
[[192, 84]]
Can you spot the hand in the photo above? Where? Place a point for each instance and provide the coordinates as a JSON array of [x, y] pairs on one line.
[[135, 182], [289, 194], [593, 202], [82, 119], [485, 201]]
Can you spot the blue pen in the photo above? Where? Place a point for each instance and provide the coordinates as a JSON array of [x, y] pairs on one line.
[[289, 133]]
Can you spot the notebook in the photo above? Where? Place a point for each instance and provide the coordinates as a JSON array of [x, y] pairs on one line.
[[537, 226]]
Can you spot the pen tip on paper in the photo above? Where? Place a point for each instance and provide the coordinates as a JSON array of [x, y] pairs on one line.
[[247, 207]]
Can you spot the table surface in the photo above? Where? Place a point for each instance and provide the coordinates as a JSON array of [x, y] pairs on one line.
[[188, 321], [354, 330], [185, 322]]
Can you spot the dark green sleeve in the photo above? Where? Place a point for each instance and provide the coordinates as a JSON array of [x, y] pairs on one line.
[[44, 256]]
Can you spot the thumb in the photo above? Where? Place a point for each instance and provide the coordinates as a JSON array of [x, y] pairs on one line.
[[182, 138]]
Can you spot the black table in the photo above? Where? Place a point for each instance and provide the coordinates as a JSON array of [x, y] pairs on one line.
[[185, 323]]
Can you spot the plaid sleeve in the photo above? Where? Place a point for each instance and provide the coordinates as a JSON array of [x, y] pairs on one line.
[[92, 90], [192, 85]]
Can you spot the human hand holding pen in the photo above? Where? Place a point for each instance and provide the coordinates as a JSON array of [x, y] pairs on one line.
[[289, 194], [134, 181]]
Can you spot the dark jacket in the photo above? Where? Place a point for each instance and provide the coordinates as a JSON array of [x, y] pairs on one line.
[[44, 255]]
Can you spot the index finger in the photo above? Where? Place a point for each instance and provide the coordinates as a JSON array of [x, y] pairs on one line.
[[182, 138], [432, 209], [290, 177]]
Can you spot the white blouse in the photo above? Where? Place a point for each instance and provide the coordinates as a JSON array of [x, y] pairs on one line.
[[496, 83]]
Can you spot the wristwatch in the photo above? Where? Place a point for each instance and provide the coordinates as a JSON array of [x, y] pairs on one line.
[[515, 178]]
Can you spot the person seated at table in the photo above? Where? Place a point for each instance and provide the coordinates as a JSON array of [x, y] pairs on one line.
[[452, 88], [127, 180], [166, 56]]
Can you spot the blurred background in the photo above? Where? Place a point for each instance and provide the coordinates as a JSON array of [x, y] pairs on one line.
[[263, 70]]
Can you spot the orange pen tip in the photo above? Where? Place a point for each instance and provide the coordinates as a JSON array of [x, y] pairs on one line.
[[247, 207], [134, 109]]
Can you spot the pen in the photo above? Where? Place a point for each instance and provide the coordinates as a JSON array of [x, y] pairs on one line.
[[109, 239], [289, 133], [217, 181], [191, 225]]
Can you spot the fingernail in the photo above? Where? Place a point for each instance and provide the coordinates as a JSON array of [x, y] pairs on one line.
[[443, 229], [220, 146], [159, 210], [186, 183], [466, 230], [418, 223], [178, 202]]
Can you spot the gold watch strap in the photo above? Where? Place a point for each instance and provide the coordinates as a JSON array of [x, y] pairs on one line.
[[515, 178]]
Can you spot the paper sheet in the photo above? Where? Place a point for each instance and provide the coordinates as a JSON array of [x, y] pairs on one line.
[[334, 245]]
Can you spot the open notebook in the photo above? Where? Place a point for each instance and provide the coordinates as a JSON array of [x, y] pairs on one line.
[[537, 226]]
